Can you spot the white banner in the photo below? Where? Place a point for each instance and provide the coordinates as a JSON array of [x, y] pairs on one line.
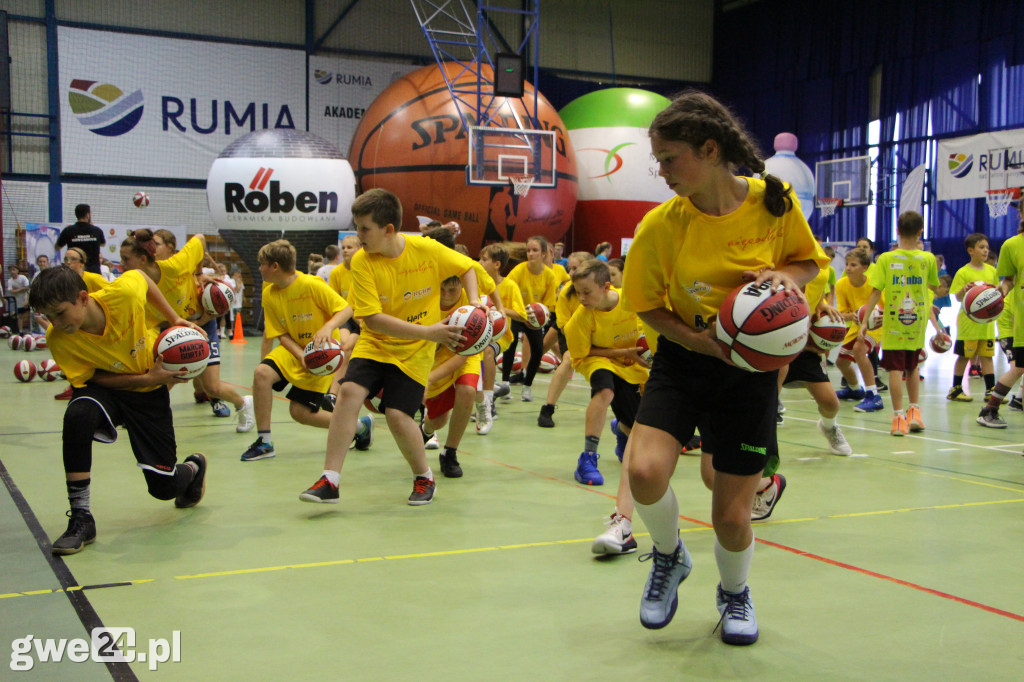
[[968, 166], [340, 91], [165, 108]]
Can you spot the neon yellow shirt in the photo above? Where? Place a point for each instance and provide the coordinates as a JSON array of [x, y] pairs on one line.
[[966, 328], [903, 276]]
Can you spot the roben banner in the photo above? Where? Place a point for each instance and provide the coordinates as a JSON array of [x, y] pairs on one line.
[[141, 106]]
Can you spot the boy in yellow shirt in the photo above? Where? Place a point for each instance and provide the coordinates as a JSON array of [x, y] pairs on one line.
[[297, 309], [973, 339], [396, 296], [105, 348]]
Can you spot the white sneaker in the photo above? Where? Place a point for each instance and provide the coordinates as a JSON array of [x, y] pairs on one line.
[[618, 539], [527, 396], [739, 624], [836, 440], [483, 418], [765, 501], [246, 416], [432, 443]]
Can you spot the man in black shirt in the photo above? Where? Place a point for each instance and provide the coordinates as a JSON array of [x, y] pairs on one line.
[[85, 236]]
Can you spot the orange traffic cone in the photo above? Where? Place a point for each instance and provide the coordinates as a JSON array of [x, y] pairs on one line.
[[239, 336]]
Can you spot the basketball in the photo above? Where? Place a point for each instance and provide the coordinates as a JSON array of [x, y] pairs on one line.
[[498, 326], [5, 332], [14, 342], [28, 343], [645, 349], [983, 302], [141, 200], [372, 403], [183, 348], [940, 343], [540, 314], [517, 362], [25, 371], [762, 330], [548, 362], [325, 360], [217, 298], [826, 333], [40, 342], [485, 301], [49, 371], [476, 332], [874, 322], [411, 141]]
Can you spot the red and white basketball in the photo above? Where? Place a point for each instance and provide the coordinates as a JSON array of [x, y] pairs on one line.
[[49, 371], [540, 314], [983, 302], [760, 329], [548, 362], [183, 348], [141, 200], [372, 403], [940, 343], [5, 332], [826, 333], [874, 321], [28, 343], [498, 325], [485, 300], [476, 329], [14, 342], [645, 349], [517, 362], [217, 298], [326, 359], [40, 342], [25, 370]]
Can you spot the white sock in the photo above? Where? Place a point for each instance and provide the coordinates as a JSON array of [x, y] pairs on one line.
[[662, 521], [829, 422], [265, 435], [429, 474], [870, 389], [733, 567], [333, 476], [854, 388], [489, 396]]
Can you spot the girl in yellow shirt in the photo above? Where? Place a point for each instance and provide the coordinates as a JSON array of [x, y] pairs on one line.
[[538, 284]]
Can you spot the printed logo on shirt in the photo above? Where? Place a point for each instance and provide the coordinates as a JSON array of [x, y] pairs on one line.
[[419, 293], [698, 289]]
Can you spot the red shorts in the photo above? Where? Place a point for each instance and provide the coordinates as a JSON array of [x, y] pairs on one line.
[[847, 348], [443, 402], [900, 360]]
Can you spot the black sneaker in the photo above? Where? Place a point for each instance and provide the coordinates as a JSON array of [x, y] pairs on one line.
[[545, 420], [879, 386], [328, 401], [322, 491], [450, 464], [516, 378], [81, 532], [422, 490], [194, 491]]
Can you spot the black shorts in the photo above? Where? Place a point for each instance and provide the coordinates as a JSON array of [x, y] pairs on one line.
[[352, 326], [302, 396], [626, 399], [145, 415], [734, 409], [212, 330], [562, 344], [400, 391], [1018, 356], [806, 368]]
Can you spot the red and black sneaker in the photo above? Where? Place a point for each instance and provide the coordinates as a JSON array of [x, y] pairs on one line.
[[322, 491], [422, 490]]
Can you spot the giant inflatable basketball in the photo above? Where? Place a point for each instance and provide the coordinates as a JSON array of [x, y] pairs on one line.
[[411, 141]]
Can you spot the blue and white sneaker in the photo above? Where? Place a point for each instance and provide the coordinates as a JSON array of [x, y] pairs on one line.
[[848, 393], [220, 408], [871, 403], [739, 625], [586, 469], [660, 599], [620, 439], [258, 450], [364, 441]]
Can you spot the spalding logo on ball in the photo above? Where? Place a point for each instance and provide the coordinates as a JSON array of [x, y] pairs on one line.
[[324, 360], [141, 200], [476, 329], [183, 348], [760, 329], [826, 333], [217, 298], [983, 302]]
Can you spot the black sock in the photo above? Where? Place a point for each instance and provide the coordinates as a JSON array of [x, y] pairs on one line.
[[590, 443]]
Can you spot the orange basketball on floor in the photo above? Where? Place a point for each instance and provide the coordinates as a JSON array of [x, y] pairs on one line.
[[411, 141]]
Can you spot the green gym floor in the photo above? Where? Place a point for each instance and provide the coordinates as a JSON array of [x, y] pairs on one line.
[[900, 563]]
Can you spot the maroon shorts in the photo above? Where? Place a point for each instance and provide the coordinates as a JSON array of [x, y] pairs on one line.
[[900, 360]]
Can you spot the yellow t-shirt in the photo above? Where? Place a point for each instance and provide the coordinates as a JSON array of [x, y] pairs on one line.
[[407, 287], [818, 288], [565, 306], [561, 274], [616, 328], [511, 299], [299, 310], [535, 288], [178, 282], [94, 282], [966, 328], [124, 347], [849, 299], [341, 280], [695, 260]]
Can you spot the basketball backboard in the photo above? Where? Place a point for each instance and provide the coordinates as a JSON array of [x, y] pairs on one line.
[[847, 179], [497, 154], [1006, 168]]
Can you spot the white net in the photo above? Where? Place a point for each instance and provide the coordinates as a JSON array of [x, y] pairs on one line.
[[999, 200], [828, 206], [521, 183]]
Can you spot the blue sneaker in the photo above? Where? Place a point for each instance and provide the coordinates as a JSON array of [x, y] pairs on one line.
[[739, 625], [660, 599], [620, 439], [364, 441], [258, 450], [220, 409], [586, 469], [848, 393], [872, 403]]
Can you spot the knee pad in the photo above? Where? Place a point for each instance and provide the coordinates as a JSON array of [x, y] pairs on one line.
[[85, 417]]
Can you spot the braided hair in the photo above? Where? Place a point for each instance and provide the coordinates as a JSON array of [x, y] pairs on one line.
[[694, 117]]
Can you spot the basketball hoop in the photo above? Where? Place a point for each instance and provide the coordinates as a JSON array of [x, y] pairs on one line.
[[998, 200], [828, 206], [521, 183]]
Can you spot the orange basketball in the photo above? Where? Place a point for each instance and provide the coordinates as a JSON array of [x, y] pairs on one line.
[[411, 141]]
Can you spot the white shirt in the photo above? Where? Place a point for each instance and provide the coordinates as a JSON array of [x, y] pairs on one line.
[[324, 272], [21, 299]]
